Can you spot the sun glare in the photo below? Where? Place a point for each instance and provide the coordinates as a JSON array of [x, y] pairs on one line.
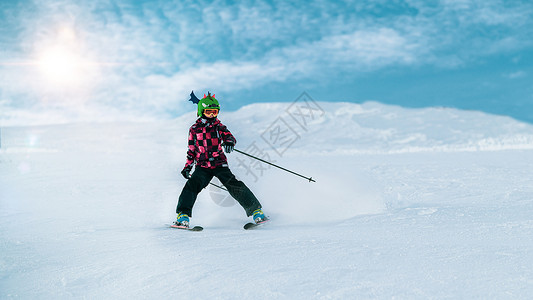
[[61, 62], [59, 65]]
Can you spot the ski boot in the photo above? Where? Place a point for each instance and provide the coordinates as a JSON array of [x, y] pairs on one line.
[[182, 221], [259, 216]]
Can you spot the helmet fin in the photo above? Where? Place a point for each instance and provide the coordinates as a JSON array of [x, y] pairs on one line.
[[194, 99]]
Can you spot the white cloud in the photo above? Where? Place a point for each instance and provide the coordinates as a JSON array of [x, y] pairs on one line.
[[150, 55], [516, 75], [368, 49], [364, 50]]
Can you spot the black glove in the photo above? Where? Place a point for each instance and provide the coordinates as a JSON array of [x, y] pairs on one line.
[[186, 172], [228, 146]]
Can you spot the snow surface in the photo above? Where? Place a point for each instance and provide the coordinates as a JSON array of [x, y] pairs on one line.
[[408, 203]]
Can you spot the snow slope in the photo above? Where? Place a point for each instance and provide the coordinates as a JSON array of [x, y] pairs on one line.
[[426, 203]]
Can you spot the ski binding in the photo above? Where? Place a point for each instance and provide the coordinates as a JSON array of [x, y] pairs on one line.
[[195, 228]]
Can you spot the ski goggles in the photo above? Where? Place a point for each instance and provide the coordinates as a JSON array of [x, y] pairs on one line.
[[211, 113]]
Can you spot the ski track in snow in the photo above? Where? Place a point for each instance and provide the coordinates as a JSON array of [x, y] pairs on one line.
[[427, 203]]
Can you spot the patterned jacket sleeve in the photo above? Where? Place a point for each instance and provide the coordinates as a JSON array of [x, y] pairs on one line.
[[191, 152], [225, 134]]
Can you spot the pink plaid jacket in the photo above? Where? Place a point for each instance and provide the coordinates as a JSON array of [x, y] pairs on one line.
[[205, 143]]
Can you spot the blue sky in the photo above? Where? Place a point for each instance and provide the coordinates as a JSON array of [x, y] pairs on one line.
[[142, 58]]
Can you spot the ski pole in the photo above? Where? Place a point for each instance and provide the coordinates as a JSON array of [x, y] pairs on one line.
[[218, 186], [267, 162]]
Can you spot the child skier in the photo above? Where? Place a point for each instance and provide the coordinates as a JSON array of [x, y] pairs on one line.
[[207, 137]]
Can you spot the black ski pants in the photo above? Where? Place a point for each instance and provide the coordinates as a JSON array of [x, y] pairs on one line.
[[201, 177]]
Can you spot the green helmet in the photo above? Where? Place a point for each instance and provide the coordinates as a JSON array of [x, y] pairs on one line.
[[207, 102]]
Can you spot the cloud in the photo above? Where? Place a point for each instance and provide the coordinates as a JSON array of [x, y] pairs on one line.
[[363, 50], [148, 56], [516, 75]]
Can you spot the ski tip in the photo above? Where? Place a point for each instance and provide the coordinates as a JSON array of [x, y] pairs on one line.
[[252, 225], [196, 228]]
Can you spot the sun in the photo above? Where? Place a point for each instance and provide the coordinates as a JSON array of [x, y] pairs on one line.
[[61, 60], [60, 65]]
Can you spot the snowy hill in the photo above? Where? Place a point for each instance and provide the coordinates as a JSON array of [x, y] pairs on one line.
[[425, 203]]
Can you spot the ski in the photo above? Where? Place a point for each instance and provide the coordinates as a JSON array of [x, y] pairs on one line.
[[195, 228], [250, 225], [247, 226]]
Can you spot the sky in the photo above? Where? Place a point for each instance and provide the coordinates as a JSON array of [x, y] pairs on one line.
[[66, 60]]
